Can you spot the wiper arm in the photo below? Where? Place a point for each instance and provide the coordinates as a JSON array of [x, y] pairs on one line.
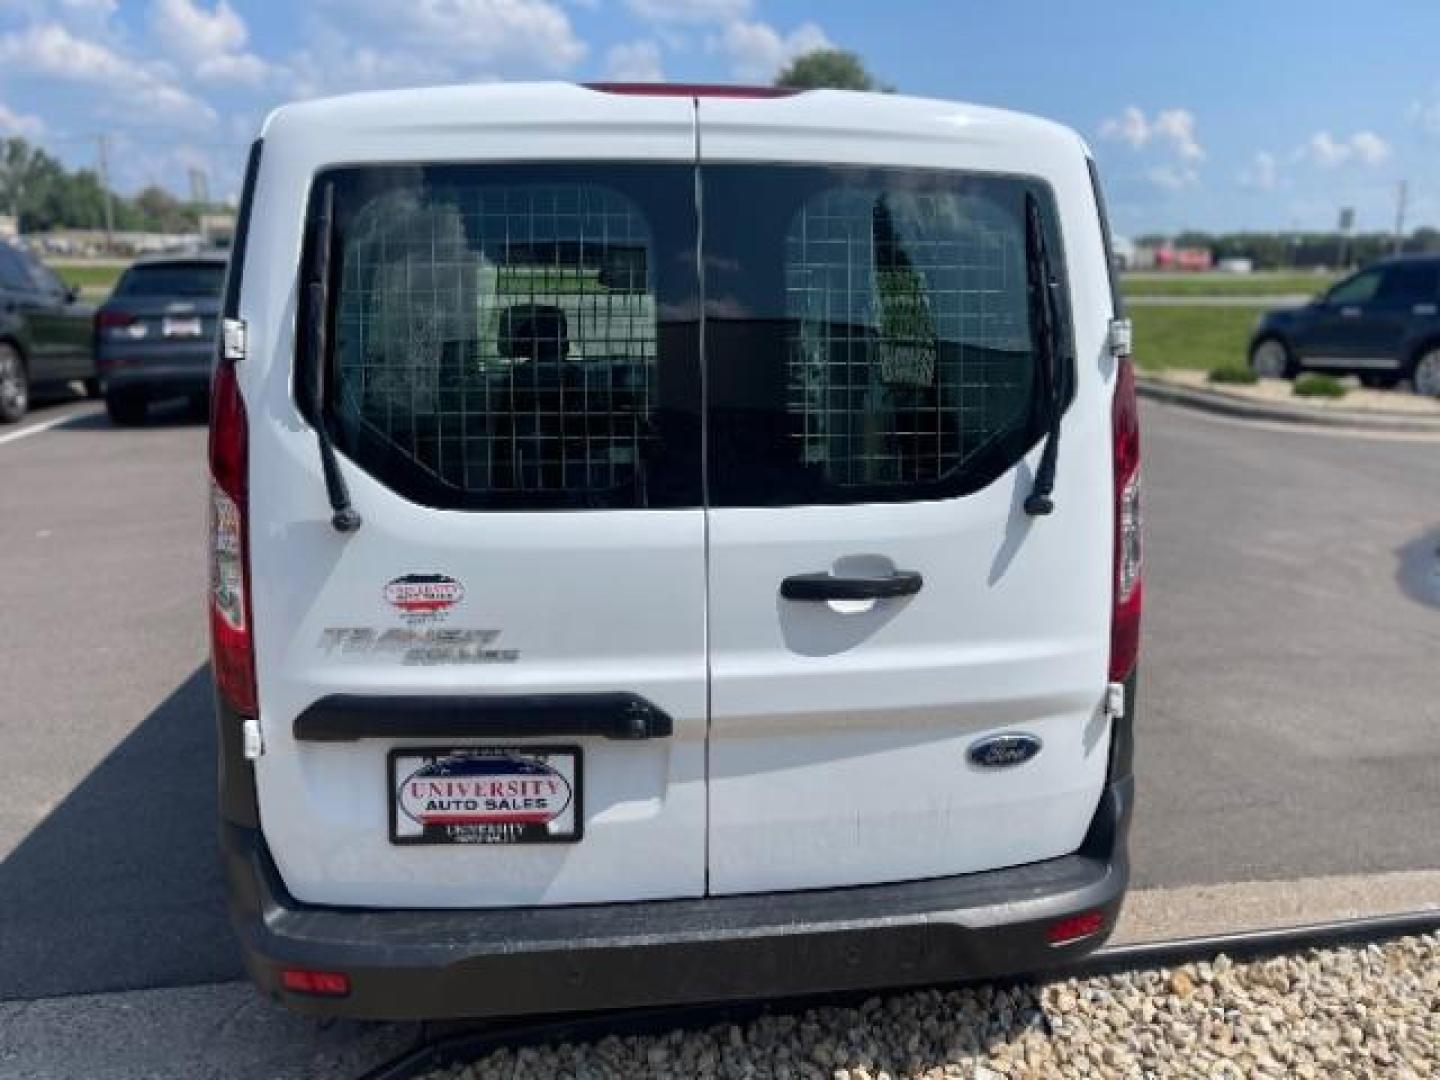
[[1043, 328], [317, 303]]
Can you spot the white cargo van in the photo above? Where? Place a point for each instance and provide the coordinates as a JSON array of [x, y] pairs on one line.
[[669, 544]]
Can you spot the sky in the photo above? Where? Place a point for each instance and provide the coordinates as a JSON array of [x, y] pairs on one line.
[[1215, 115]]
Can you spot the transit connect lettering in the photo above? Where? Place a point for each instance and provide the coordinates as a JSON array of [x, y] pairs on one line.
[[418, 645]]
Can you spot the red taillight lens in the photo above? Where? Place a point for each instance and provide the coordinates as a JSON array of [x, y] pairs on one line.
[[232, 652], [1075, 927], [107, 319], [322, 983], [1129, 566], [119, 325]]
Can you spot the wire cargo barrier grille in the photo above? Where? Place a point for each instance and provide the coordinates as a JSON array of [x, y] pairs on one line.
[[908, 332], [502, 337]]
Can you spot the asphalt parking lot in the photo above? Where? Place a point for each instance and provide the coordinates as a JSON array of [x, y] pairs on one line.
[[1289, 729]]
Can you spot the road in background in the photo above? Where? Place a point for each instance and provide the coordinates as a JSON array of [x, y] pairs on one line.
[[1288, 724]]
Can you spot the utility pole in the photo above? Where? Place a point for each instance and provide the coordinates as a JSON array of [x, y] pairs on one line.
[[1400, 217], [104, 141]]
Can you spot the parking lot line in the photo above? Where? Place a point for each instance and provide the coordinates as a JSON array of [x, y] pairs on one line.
[[35, 429]]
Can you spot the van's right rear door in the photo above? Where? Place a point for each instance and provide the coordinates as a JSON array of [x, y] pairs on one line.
[[872, 384]]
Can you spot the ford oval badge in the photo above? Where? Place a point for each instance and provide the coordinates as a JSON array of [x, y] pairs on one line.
[[1003, 751]]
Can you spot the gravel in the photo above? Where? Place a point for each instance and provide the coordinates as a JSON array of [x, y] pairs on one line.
[[1361, 1011]]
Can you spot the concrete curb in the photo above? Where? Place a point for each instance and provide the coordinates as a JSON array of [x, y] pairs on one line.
[[1223, 404]]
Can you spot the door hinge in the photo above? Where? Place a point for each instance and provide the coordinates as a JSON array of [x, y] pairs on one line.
[[250, 738], [1121, 337], [232, 337], [1115, 700]]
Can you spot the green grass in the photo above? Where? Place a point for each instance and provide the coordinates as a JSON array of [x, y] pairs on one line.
[[1319, 386], [1233, 375], [1261, 284], [90, 279], [1198, 338]]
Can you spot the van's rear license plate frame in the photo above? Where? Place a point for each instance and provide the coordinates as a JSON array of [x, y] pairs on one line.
[[486, 794]]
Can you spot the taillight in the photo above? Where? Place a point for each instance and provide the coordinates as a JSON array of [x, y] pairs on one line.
[[319, 983], [232, 646], [1075, 927], [1129, 565], [118, 324]]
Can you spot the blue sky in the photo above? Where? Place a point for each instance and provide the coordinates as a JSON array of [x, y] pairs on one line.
[[1215, 115]]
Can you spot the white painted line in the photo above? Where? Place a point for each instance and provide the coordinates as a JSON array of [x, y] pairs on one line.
[[35, 429]]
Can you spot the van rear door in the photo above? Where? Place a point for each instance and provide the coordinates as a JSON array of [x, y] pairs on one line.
[[882, 609], [493, 692]]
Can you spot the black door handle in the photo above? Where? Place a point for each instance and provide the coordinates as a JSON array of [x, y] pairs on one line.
[[829, 587]]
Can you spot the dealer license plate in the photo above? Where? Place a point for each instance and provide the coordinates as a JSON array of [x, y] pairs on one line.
[[485, 795]]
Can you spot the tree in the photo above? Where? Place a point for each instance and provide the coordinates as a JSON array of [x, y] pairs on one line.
[[835, 68], [162, 212], [28, 178]]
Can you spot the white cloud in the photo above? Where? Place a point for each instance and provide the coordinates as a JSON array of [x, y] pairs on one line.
[[1178, 127], [50, 51], [634, 61], [1370, 149], [458, 38], [1171, 128], [693, 11], [1263, 172], [757, 51], [1363, 147], [191, 31], [1130, 126], [15, 123], [246, 69], [210, 42]]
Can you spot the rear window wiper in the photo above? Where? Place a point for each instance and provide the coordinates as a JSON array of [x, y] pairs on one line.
[[1045, 330], [317, 311]]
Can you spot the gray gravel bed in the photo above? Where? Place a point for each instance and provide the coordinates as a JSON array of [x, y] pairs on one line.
[[1355, 1011]]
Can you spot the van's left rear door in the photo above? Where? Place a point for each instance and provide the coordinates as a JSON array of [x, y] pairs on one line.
[[514, 397]]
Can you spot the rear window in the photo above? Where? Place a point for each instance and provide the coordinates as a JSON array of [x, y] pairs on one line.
[[518, 336], [530, 336], [195, 280], [869, 332]]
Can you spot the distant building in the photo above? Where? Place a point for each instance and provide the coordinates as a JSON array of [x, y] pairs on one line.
[[1123, 250], [8, 228], [1169, 257], [217, 229]]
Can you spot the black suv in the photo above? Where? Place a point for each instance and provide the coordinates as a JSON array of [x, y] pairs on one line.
[[1381, 323], [45, 334]]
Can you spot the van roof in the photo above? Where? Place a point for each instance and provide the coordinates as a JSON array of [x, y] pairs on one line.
[[816, 111]]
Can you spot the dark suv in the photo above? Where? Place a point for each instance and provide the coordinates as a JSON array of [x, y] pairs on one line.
[[44, 332], [1381, 323], [155, 336]]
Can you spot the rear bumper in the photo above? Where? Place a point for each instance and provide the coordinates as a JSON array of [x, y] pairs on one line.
[[179, 369], [444, 964]]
